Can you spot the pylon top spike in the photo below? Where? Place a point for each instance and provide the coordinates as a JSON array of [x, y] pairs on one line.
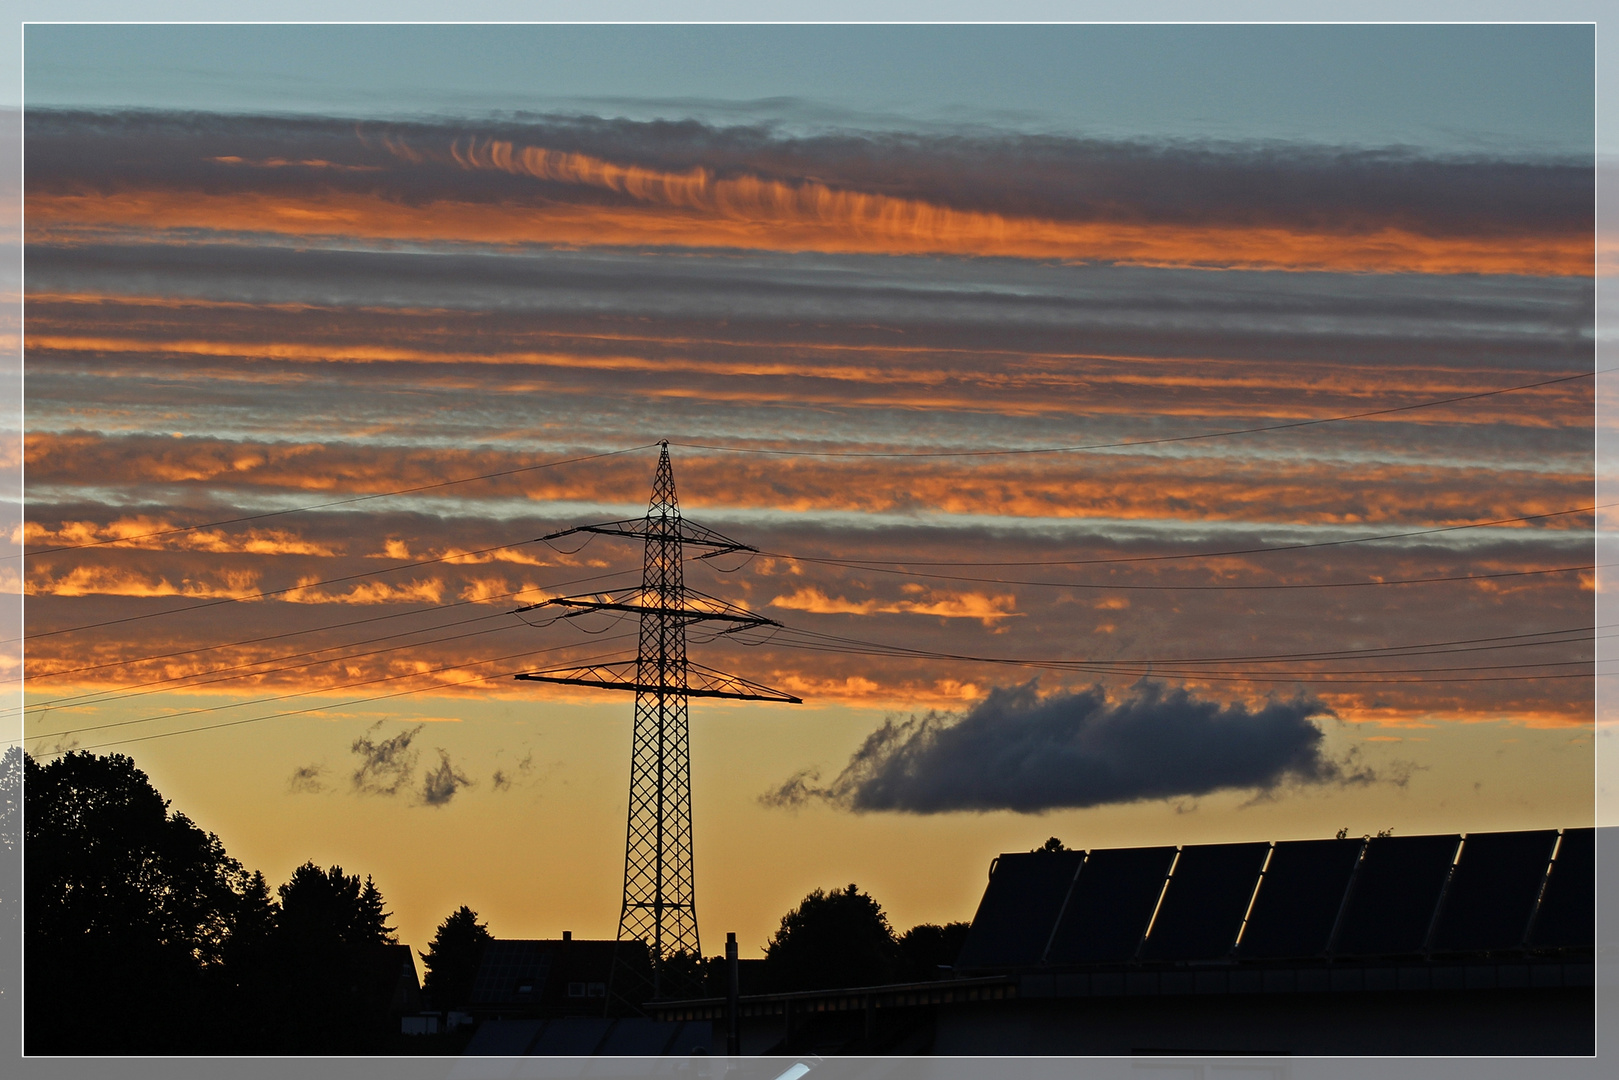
[[665, 505]]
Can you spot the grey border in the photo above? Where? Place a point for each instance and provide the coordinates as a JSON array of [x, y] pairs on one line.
[[1607, 487]]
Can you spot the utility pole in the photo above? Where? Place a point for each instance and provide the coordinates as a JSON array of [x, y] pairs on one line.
[[659, 891]]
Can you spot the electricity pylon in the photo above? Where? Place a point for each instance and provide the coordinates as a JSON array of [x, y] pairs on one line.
[[659, 892]]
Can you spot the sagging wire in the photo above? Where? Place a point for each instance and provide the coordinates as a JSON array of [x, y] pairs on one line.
[[588, 538]]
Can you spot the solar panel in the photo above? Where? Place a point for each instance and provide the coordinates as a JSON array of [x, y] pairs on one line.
[[1112, 901], [1014, 919], [1299, 898], [1394, 894], [1205, 902], [1492, 891], [511, 971], [1567, 915]]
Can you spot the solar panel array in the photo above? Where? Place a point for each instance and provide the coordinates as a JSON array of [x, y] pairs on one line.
[[507, 968], [1383, 896]]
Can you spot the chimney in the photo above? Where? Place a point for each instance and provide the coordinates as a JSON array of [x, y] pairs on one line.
[[567, 935]]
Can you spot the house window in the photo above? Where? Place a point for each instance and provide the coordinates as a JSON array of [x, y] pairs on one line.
[[576, 989], [598, 990]]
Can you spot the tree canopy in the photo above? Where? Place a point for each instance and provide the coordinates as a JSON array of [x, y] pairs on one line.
[[832, 939], [926, 947], [122, 894], [452, 958], [144, 936], [328, 909]]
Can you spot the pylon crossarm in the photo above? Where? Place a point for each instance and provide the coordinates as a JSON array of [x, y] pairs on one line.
[[687, 532], [733, 686], [700, 682], [609, 528], [705, 607]]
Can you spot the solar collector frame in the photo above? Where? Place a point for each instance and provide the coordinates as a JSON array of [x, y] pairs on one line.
[[1206, 899], [1113, 900], [1394, 895], [1493, 891], [1299, 899]]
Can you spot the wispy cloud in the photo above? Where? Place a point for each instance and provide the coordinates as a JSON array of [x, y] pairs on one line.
[[440, 784], [386, 766], [307, 780]]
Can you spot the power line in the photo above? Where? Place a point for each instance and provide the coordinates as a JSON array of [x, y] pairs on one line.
[[268, 592], [833, 644], [292, 712], [51, 702], [863, 563], [855, 566], [1224, 588], [316, 629], [1143, 442], [1094, 667], [850, 564], [1390, 652], [334, 502], [297, 694], [160, 686], [1412, 651]]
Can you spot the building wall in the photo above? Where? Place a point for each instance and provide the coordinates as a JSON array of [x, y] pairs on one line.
[[1559, 1021]]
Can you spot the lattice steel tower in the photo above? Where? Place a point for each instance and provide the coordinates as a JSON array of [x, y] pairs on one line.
[[659, 893]]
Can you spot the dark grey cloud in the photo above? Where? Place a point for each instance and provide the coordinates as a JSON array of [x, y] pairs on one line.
[[1065, 178], [1016, 750], [306, 780], [504, 778], [440, 784], [387, 766]]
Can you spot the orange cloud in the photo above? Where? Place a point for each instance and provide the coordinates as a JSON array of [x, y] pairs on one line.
[[400, 551], [986, 609], [687, 210], [134, 533], [113, 581], [1134, 487], [428, 590]]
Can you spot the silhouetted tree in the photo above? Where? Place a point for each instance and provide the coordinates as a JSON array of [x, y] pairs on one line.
[[452, 958], [1051, 845], [331, 910], [126, 902], [832, 939], [248, 984], [925, 947], [330, 962]]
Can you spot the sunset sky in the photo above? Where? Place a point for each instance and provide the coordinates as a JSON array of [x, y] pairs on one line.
[[1151, 434]]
